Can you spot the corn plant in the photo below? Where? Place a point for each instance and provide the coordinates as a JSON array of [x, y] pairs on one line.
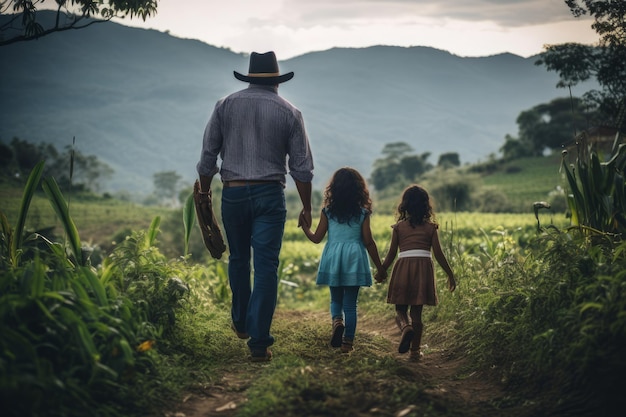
[[61, 207], [75, 339], [13, 237], [189, 214], [597, 198]]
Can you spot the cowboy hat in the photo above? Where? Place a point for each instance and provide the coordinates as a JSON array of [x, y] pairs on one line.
[[263, 69]]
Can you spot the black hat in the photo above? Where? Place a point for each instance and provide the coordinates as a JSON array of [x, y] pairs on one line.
[[263, 69]]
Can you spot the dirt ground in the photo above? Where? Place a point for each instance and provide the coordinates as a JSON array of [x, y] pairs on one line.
[[443, 372]]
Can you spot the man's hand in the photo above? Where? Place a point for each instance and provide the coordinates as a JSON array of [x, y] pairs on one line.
[[305, 218]]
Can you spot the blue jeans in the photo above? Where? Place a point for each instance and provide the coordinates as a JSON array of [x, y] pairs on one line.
[[254, 221], [343, 301]]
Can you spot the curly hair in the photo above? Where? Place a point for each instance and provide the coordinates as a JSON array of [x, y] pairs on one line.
[[415, 206], [346, 195]]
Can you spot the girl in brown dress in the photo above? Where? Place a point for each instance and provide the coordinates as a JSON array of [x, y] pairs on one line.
[[412, 280]]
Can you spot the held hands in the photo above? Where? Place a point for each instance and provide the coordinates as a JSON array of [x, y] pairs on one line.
[[380, 276], [304, 220]]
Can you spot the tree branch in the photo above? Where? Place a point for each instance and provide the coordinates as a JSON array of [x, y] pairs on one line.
[[23, 38]]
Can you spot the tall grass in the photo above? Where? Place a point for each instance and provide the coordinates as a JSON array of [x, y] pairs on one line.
[[547, 312], [76, 340]]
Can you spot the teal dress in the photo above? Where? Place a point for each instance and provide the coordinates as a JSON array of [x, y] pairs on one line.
[[344, 260]]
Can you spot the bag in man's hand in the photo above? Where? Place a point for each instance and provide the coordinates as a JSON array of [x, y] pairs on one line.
[[211, 233]]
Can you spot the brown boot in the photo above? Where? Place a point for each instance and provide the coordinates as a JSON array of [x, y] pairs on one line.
[[407, 332], [338, 327], [416, 353], [347, 345]]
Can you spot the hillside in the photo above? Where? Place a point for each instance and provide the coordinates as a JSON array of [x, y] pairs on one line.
[[139, 99]]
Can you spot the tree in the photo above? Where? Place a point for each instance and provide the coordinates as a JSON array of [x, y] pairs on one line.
[[396, 150], [449, 159], [27, 154], [68, 168], [398, 165], [606, 62], [549, 125], [609, 18], [25, 24], [412, 166], [513, 148], [165, 183]]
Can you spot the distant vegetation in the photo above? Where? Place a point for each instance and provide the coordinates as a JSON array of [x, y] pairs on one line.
[[69, 167]]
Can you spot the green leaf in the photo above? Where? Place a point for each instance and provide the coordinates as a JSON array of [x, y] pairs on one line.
[[153, 231], [37, 283], [96, 286], [29, 191], [60, 207], [188, 219]]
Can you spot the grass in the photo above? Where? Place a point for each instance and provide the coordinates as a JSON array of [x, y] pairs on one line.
[[496, 280], [308, 378], [527, 180], [97, 218]]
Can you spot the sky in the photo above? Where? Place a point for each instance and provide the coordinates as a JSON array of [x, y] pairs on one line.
[[466, 28]]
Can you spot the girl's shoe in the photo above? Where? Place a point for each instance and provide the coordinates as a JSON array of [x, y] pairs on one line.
[[416, 355], [346, 345], [338, 328], [407, 337]]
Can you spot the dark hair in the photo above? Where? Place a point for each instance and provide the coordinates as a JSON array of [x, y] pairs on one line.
[[415, 206], [346, 195]]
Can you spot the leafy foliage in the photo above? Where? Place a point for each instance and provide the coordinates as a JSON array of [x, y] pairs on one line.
[[549, 316], [71, 14], [606, 62], [70, 168], [75, 338], [597, 196], [547, 126], [398, 166]]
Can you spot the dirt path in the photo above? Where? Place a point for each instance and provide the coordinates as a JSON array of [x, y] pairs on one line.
[[442, 371]]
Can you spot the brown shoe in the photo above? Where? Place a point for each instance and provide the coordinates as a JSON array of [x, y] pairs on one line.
[[241, 335], [261, 355], [407, 337], [346, 345], [416, 355], [338, 327]]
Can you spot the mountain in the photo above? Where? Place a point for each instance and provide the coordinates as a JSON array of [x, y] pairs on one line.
[[139, 99]]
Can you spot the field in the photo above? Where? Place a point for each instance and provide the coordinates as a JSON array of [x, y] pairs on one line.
[[145, 329], [527, 180], [100, 219]]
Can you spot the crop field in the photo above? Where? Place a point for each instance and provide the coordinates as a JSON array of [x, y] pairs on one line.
[[525, 181]]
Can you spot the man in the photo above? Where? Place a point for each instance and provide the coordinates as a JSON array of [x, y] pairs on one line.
[[257, 134]]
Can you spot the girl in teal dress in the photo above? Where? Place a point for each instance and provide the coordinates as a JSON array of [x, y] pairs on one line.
[[344, 266]]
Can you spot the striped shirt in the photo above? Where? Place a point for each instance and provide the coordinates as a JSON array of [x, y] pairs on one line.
[[256, 134]]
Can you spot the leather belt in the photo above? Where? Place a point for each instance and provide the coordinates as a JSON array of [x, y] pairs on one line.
[[244, 183]]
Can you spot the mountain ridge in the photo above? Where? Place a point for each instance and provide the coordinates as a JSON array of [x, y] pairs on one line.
[[139, 99]]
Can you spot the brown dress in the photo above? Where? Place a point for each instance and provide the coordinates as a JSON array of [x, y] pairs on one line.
[[412, 278]]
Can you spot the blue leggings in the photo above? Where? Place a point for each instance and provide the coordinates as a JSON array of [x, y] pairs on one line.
[[343, 301]]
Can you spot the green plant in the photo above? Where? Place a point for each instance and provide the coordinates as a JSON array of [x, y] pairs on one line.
[[13, 238], [597, 196], [74, 340]]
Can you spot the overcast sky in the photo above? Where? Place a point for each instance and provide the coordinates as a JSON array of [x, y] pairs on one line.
[[294, 27]]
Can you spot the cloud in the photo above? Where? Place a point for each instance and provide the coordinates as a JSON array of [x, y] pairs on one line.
[[328, 13], [295, 27]]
